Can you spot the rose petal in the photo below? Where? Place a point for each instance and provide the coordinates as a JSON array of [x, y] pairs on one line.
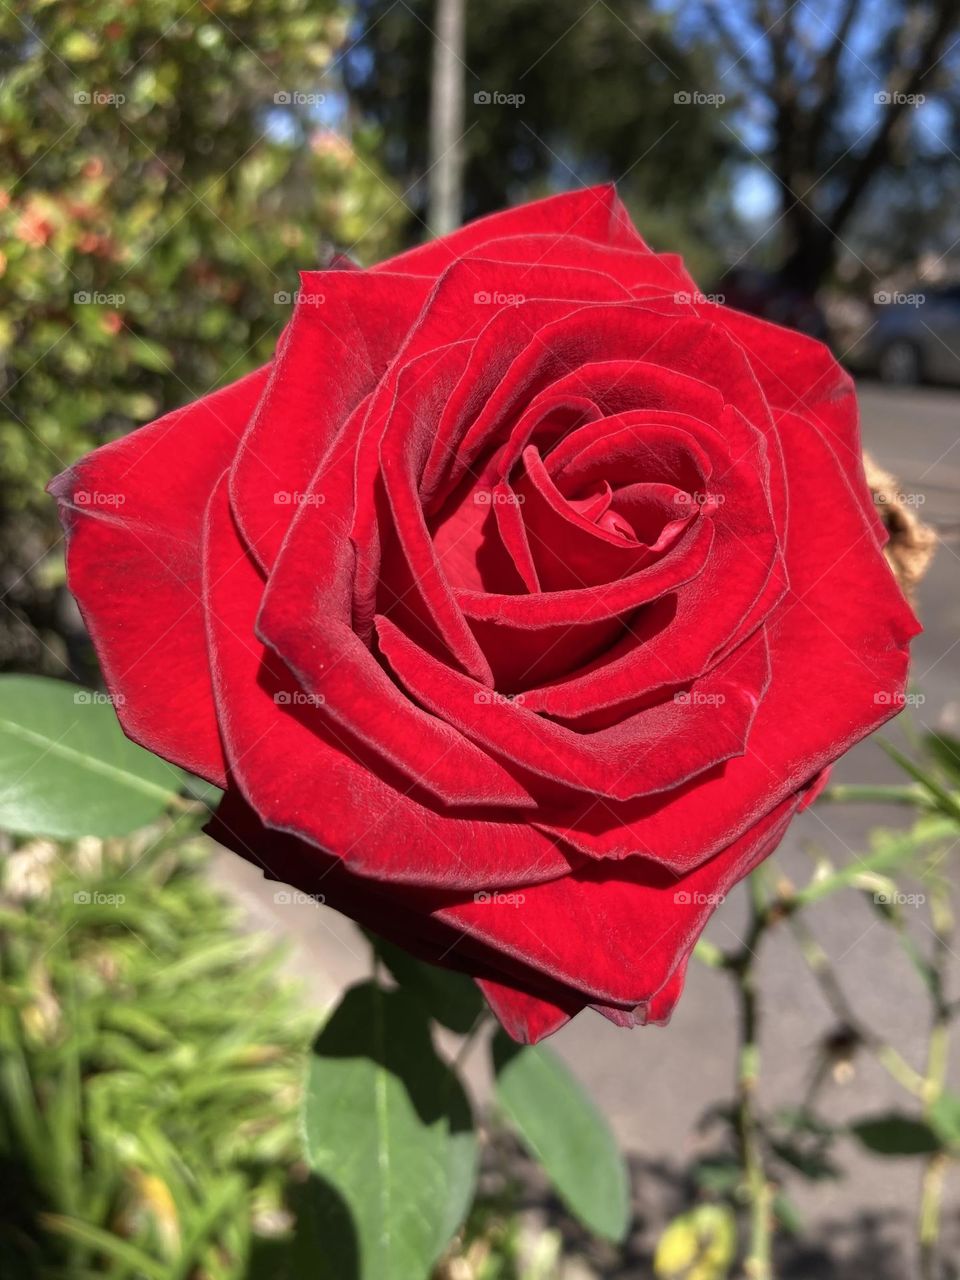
[[133, 515]]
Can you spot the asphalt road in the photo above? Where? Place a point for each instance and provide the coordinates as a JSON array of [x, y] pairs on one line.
[[655, 1084]]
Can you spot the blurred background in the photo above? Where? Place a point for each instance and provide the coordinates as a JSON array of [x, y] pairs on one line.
[[168, 166]]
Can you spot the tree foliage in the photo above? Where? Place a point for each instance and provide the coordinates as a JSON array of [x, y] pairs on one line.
[[168, 170]]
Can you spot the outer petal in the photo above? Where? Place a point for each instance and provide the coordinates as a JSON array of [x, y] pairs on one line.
[[347, 327], [525, 1017], [133, 514], [593, 213]]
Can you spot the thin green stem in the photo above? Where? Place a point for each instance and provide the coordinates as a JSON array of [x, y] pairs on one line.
[[938, 1052], [819, 964], [758, 1262], [856, 793]]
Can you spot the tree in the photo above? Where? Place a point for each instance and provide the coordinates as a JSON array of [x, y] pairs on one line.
[[835, 91], [554, 97], [168, 171]]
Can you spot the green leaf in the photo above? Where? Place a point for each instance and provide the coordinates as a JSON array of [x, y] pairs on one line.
[[66, 769], [452, 998], [199, 789], [788, 1215], [943, 799], [946, 751], [566, 1133], [719, 1175], [944, 1116], [389, 1135], [894, 1134]]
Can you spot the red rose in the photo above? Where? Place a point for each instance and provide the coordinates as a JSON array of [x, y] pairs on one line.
[[518, 604]]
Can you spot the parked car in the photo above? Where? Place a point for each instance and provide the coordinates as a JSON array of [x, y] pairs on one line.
[[914, 337]]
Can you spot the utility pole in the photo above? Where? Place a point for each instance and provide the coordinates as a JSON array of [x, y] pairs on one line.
[[445, 177]]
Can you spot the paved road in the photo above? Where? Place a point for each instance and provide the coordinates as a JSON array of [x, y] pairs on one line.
[[655, 1084]]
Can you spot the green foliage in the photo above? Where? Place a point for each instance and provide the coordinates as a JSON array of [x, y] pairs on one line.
[[894, 1134], [451, 998], [68, 769], [157, 200], [390, 1136], [593, 94], [149, 1068], [566, 1133]]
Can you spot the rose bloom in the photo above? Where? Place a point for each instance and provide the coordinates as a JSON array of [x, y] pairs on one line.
[[517, 604]]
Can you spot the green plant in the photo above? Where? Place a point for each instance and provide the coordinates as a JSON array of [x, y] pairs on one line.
[[149, 1065], [167, 174], [151, 1075], [759, 1153]]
